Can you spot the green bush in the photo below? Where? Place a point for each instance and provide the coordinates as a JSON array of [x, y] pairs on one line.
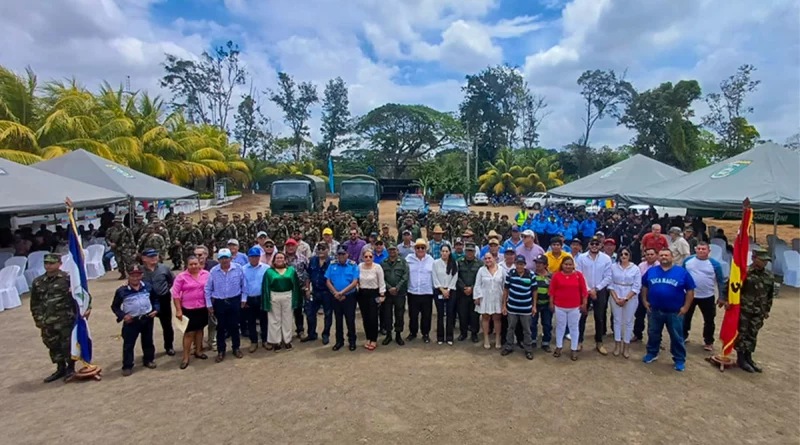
[[235, 193], [206, 195]]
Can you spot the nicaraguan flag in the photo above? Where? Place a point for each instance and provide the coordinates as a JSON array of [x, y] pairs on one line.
[[81, 337]]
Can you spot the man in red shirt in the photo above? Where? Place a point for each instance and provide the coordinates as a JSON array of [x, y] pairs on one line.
[[655, 240]]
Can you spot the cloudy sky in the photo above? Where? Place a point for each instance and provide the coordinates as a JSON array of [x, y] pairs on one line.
[[418, 51]]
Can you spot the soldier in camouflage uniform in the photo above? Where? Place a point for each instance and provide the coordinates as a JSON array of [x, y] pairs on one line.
[[189, 237], [755, 304], [242, 231], [151, 213], [369, 225], [161, 229], [120, 239], [151, 240], [503, 227], [224, 231], [206, 228], [138, 228], [261, 223], [54, 312], [174, 226], [311, 234], [250, 229]]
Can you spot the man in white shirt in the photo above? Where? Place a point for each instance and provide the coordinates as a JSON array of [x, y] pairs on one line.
[[420, 291], [596, 269], [678, 246], [708, 276]]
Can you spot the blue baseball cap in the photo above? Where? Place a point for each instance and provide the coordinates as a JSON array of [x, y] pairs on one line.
[[254, 251], [149, 252]]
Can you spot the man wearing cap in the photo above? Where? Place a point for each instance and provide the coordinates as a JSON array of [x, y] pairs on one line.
[[509, 259], [137, 229], [152, 240], [226, 293], [54, 312], [236, 256], [120, 239], [610, 248], [411, 227], [369, 225], [543, 312], [254, 272], [515, 240], [468, 319], [437, 242], [318, 295], [385, 236], [596, 269], [493, 236], [406, 246], [756, 303], [678, 246], [379, 251], [342, 280], [393, 309], [136, 306], [188, 237], [529, 249], [518, 305], [458, 249], [575, 247], [159, 279], [688, 235], [327, 238], [302, 247]]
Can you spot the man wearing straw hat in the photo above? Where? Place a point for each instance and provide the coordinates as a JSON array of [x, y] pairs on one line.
[[437, 242]]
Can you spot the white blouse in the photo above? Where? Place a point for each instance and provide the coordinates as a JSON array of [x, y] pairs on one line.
[[371, 278], [626, 280], [440, 277], [487, 285]]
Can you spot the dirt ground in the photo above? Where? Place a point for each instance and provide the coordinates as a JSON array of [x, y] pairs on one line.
[[412, 394]]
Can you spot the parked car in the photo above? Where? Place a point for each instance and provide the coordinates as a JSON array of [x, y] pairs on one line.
[[413, 203], [540, 199], [453, 203], [480, 199]]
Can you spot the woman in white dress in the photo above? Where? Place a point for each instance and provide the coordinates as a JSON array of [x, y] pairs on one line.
[[626, 282], [488, 295]]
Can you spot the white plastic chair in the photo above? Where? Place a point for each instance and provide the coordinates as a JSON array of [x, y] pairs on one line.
[[35, 266], [21, 262], [719, 242], [66, 262], [9, 295], [749, 257], [716, 252], [779, 265], [791, 268], [94, 262], [4, 256]]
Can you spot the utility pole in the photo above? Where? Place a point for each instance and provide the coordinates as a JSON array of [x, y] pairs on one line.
[[469, 149]]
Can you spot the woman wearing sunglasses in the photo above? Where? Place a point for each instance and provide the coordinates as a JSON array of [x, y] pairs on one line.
[[626, 282], [371, 291], [445, 276]]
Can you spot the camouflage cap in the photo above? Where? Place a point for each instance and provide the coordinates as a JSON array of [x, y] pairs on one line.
[[762, 253], [390, 244], [52, 258]]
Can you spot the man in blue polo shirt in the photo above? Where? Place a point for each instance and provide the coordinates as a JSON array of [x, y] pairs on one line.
[[667, 294], [342, 279]]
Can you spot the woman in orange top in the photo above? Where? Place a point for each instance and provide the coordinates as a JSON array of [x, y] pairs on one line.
[[568, 300]]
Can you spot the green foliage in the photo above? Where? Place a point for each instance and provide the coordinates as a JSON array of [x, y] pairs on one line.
[[444, 174], [579, 161], [403, 133], [604, 93], [251, 128], [726, 116], [515, 173], [661, 119], [335, 118], [295, 101]]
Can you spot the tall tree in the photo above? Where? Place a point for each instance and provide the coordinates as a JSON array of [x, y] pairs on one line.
[[490, 108], [605, 95], [661, 119], [727, 111], [204, 88], [295, 101], [532, 113], [406, 133], [251, 129], [335, 117]]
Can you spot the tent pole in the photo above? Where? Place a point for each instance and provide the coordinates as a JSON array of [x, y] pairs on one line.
[[199, 210], [774, 233]]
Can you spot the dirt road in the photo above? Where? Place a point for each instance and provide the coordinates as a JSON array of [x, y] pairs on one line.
[[416, 394]]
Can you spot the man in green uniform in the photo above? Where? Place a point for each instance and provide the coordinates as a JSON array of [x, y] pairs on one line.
[[54, 312], [120, 239], [188, 238], [138, 228], [150, 240], [393, 309], [369, 225], [755, 304], [162, 230], [224, 231]]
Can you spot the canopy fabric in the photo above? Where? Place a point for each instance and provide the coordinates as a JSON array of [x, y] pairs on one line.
[[27, 190], [611, 182], [83, 166], [768, 174]]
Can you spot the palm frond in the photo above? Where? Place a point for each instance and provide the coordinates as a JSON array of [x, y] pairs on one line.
[[20, 157]]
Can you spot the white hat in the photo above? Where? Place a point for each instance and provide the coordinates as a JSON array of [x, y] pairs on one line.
[[224, 253], [528, 232], [234, 242], [262, 233]]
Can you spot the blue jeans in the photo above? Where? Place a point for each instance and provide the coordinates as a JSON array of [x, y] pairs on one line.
[[657, 320], [227, 312], [543, 312], [319, 300], [345, 309], [130, 332]]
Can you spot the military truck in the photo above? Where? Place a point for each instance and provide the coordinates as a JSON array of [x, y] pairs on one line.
[[360, 195], [297, 194]]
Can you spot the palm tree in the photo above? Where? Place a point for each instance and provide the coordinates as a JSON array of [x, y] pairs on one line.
[[506, 175], [500, 176]]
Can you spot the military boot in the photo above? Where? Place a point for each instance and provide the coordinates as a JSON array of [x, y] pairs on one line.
[[753, 364], [70, 371], [741, 362], [61, 370]]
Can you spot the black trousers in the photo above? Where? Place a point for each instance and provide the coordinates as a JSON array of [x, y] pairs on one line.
[[420, 305], [393, 313], [709, 310], [165, 317], [130, 333], [468, 319], [445, 315], [638, 321], [345, 309], [299, 316], [256, 314], [599, 310], [369, 312]]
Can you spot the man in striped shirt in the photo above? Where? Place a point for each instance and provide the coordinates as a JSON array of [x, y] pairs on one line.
[[518, 305]]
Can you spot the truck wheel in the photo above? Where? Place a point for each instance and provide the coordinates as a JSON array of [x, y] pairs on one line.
[[537, 206]]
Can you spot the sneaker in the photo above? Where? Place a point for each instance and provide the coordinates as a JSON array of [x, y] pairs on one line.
[[649, 358], [569, 337], [288, 346], [128, 371], [450, 343], [708, 348], [680, 366], [149, 365], [529, 355], [440, 343]]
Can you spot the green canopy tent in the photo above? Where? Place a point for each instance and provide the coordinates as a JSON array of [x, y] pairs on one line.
[[612, 182]]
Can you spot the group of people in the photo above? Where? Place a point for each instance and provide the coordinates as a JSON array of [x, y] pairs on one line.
[[501, 281]]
